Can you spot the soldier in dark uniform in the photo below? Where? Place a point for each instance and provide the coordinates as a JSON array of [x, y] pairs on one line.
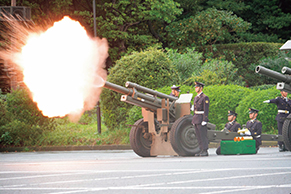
[[284, 109], [232, 126], [175, 91], [255, 127], [200, 118]]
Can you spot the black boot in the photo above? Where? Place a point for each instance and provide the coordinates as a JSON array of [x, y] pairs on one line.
[[281, 148], [202, 153]]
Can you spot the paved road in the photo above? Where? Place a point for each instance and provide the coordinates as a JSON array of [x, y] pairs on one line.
[[122, 171]]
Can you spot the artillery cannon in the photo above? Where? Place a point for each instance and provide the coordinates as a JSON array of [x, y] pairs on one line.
[[166, 127], [284, 85]]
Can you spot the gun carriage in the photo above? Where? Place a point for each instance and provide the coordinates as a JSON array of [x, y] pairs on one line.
[[166, 127]]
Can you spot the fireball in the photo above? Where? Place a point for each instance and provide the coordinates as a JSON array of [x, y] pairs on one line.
[[63, 68]]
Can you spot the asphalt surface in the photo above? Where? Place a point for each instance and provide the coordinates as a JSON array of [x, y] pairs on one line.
[[122, 171]]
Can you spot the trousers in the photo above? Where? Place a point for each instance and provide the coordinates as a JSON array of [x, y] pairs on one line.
[[201, 134]]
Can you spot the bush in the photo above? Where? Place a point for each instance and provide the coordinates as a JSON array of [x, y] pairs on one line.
[[216, 72], [185, 64], [150, 68], [242, 55], [223, 98], [23, 123], [267, 112]]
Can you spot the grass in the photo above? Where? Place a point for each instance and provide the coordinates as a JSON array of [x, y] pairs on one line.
[[83, 134]]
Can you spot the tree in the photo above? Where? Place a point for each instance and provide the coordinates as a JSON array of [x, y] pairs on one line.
[[132, 25], [270, 17], [208, 27]]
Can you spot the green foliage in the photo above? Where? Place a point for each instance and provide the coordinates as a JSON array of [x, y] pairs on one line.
[[185, 64], [150, 68], [223, 98], [205, 28], [134, 114], [269, 17], [267, 112], [21, 121], [242, 55], [132, 25], [216, 72]]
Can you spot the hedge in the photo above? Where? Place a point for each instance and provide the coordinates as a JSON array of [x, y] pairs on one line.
[[267, 112]]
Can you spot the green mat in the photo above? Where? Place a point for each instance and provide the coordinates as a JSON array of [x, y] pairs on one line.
[[238, 147]]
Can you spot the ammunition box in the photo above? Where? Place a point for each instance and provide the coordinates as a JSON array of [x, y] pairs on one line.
[[238, 147]]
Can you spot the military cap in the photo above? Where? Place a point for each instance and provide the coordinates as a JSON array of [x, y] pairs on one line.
[[252, 110], [198, 84], [232, 113], [176, 88]]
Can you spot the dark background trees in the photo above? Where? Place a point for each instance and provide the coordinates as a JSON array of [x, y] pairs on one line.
[[133, 25]]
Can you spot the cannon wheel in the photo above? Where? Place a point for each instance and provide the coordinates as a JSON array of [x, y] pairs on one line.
[[183, 137], [140, 139], [286, 132]]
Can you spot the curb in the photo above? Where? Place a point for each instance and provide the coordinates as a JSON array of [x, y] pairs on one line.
[[65, 148], [99, 147]]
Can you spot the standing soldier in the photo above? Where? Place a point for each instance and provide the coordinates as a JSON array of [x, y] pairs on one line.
[[175, 91], [284, 108], [200, 118], [232, 126], [255, 127]]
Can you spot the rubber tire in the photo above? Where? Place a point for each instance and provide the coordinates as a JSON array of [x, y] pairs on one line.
[[139, 144], [286, 132], [183, 137]]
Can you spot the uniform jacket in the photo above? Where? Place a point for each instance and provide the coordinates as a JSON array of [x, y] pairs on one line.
[[282, 104], [233, 126], [256, 130], [201, 103]]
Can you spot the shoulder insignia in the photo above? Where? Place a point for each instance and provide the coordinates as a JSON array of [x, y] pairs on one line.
[[206, 101]]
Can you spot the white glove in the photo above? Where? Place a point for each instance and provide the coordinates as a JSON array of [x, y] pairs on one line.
[[247, 132], [244, 131], [266, 101], [203, 123], [192, 108]]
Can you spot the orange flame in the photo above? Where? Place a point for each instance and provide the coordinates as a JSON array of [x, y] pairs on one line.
[[63, 68]]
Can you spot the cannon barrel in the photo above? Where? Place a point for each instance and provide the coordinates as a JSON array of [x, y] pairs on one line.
[[286, 70], [117, 88], [150, 91], [132, 96], [273, 74]]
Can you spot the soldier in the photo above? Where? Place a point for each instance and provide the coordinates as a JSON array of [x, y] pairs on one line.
[[175, 91], [255, 127], [284, 109], [200, 118], [232, 126]]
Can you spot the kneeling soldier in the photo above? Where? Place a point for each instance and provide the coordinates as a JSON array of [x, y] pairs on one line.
[[255, 127], [232, 126]]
